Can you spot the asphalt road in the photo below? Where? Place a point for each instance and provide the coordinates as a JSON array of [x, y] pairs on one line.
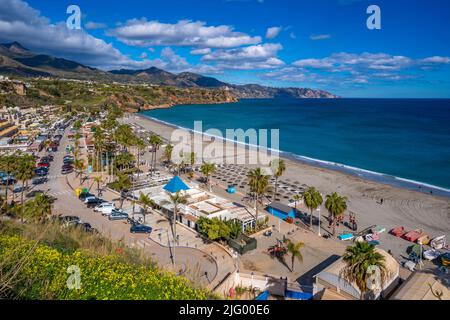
[[196, 262]]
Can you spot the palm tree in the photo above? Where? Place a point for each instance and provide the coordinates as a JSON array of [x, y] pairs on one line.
[[167, 155], [296, 199], [146, 203], [294, 250], [176, 199], [79, 167], [140, 145], [259, 186], [39, 208], [123, 183], [192, 160], [360, 261], [98, 180], [25, 171], [8, 164], [312, 199], [279, 167], [336, 206], [155, 142], [207, 169]]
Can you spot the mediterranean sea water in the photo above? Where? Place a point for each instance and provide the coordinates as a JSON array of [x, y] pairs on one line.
[[404, 142]]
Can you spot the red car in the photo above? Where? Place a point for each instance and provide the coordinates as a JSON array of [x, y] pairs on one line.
[[43, 164]]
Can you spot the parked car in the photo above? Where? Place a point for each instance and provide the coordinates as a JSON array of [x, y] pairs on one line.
[[43, 164], [86, 200], [104, 207], [118, 215], [34, 193], [70, 219], [19, 189], [86, 227], [83, 196], [38, 181], [66, 170], [93, 202], [140, 228]]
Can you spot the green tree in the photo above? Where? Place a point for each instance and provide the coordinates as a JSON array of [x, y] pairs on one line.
[[167, 155], [295, 250], [122, 184], [336, 206], [259, 186], [146, 203], [297, 199], [207, 169], [155, 142], [312, 199], [40, 208], [24, 172], [8, 164], [176, 199], [279, 167], [360, 261], [98, 180], [79, 167]]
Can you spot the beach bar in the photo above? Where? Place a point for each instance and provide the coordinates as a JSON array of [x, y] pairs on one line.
[[281, 211]]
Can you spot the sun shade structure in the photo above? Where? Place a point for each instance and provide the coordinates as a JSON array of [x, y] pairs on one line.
[[175, 185]]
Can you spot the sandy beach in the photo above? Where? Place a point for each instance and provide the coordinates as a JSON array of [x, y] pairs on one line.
[[400, 207]]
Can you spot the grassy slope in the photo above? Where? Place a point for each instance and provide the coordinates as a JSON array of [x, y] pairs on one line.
[[34, 259]]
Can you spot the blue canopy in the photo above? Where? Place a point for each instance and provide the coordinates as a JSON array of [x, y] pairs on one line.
[[175, 185]]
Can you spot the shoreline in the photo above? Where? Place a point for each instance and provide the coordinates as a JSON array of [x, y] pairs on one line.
[[365, 174], [401, 207]]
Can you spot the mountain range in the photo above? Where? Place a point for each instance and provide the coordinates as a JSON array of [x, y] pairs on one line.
[[19, 61]]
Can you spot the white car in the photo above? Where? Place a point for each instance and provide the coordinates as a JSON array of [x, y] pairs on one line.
[[104, 206]]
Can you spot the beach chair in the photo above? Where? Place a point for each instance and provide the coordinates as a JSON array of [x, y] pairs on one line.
[[346, 237], [378, 230], [398, 232], [425, 240], [414, 235]]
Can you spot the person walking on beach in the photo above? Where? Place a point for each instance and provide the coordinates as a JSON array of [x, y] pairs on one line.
[[381, 202]]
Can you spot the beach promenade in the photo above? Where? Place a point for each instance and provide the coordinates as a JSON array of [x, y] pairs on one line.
[[400, 207]]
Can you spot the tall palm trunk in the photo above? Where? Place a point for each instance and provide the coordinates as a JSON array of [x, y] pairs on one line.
[[275, 189], [311, 218], [21, 202]]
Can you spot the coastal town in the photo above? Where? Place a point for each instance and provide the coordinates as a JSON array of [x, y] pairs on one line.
[[229, 229]]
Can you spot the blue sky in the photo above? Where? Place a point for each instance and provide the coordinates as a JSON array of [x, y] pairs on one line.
[[322, 44]]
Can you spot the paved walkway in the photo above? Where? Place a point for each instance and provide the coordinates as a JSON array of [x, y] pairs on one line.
[[202, 267]]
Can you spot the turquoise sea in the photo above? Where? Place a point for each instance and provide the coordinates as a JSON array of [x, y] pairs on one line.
[[404, 142]]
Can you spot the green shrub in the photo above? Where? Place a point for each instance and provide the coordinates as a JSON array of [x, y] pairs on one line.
[[40, 272]]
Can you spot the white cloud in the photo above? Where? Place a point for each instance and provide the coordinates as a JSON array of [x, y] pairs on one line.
[[436, 60], [263, 56], [19, 22], [201, 51], [356, 69], [320, 37], [273, 32], [140, 32], [95, 25], [143, 55]]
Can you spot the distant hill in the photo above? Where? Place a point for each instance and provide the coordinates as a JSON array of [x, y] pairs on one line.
[[17, 60]]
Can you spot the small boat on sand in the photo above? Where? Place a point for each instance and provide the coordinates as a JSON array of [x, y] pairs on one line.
[[438, 242], [431, 254]]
